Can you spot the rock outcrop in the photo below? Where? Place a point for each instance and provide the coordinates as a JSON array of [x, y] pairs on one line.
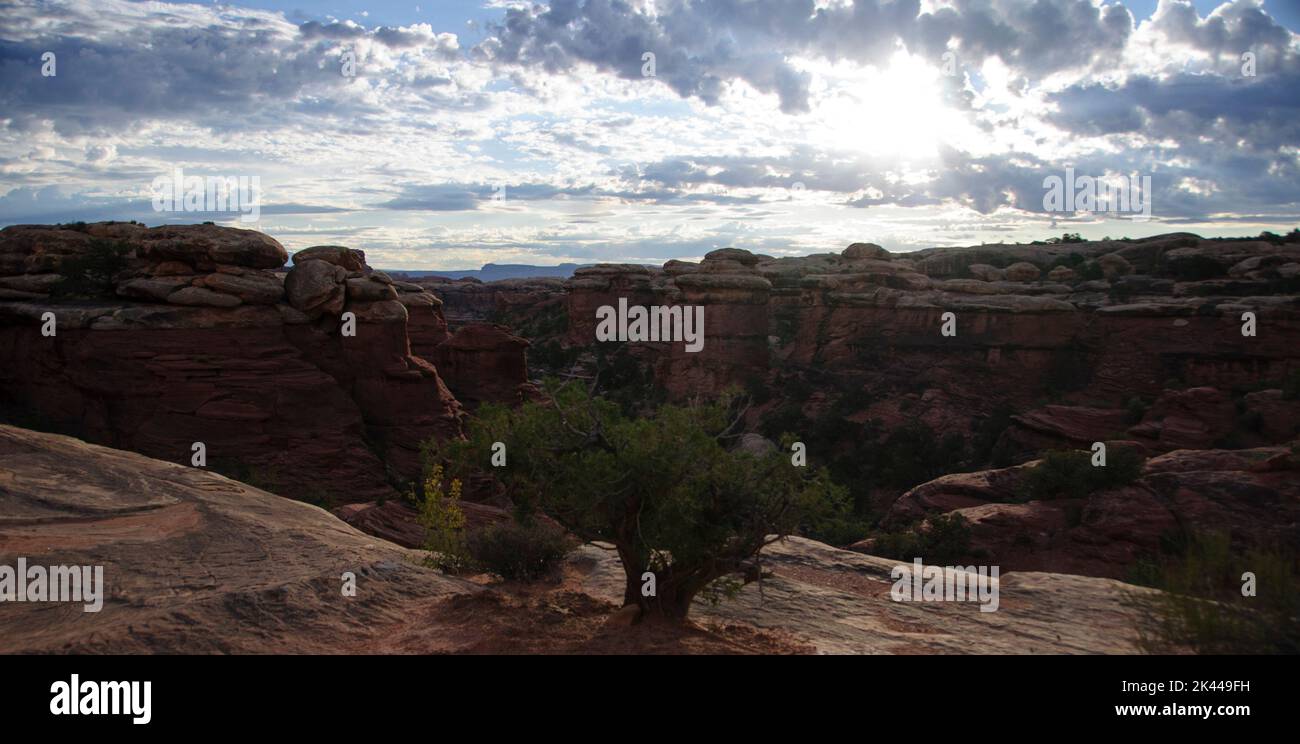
[[485, 362], [839, 602], [193, 562], [170, 336], [197, 563], [1114, 322], [1251, 494]]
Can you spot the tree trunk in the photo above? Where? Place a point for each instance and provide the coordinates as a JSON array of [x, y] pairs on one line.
[[674, 590]]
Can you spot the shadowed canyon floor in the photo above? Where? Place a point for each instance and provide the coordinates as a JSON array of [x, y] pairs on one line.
[[195, 562]]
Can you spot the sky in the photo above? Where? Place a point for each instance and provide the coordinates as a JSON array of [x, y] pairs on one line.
[[449, 134]]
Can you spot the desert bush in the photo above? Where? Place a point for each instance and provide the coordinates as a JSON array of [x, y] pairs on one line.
[[913, 454], [518, 551], [1070, 474], [1203, 607], [944, 539], [90, 274], [443, 521]]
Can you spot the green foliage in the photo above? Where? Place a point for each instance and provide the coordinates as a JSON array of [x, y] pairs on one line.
[[553, 356], [1066, 238], [913, 454], [1135, 409], [516, 551], [1069, 370], [943, 539], [1091, 271], [625, 379], [443, 522], [1202, 607], [1070, 261], [987, 432], [662, 488], [1198, 268], [1070, 474], [90, 274]]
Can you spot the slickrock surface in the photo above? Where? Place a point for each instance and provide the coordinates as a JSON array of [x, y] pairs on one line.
[[197, 563], [201, 337], [838, 602], [193, 562]]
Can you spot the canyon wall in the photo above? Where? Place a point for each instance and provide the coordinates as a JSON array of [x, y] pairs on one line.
[[168, 336], [1071, 331]]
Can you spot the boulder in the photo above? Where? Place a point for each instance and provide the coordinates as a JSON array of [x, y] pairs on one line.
[[1062, 274], [350, 259], [739, 255], [1114, 265], [316, 287], [1022, 271], [858, 251], [31, 283], [369, 290], [986, 273], [157, 288], [204, 246], [252, 287]]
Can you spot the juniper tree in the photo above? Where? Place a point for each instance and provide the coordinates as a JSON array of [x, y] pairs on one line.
[[664, 489]]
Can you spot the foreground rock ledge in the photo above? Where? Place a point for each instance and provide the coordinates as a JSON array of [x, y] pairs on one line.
[[193, 562], [197, 563]]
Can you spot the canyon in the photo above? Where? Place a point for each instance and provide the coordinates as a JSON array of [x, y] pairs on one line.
[[319, 380]]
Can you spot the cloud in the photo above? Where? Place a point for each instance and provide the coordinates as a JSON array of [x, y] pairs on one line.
[[701, 47], [762, 127]]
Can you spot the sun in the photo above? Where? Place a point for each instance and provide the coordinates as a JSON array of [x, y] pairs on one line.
[[895, 111]]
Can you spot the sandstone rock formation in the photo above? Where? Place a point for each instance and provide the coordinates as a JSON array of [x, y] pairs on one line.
[[1253, 494], [838, 602], [197, 563], [873, 322], [193, 562], [1056, 346], [485, 362], [195, 338]]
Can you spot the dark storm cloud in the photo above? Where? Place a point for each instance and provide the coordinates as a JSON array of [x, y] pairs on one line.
[[1259, 113]]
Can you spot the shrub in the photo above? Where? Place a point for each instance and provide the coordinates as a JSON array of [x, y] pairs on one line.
[[1091, 271], [516, 551], [444, 523], [90, 274], [913, 454], [945, 539], [1198, 268], [1202, 607], [1135, 409], [987, 433], [1070, 474]]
